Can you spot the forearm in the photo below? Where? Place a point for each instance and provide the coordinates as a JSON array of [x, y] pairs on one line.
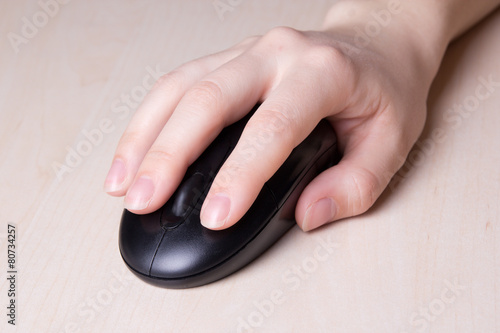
[[418, 31], [444, 18], [438, 22], [458, 16]]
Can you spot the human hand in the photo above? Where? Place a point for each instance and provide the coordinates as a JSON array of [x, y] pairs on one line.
[[374, 96]]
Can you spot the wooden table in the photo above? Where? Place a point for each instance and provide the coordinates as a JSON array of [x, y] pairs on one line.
[[426, 257]]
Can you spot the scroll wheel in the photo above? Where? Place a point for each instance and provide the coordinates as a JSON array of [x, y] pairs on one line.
[[188, 194], [183, 201]]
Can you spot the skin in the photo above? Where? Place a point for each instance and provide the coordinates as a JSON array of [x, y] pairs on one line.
[[372, 89]]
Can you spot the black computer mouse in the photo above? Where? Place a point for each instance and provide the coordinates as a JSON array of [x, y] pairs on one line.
[[170, 247]]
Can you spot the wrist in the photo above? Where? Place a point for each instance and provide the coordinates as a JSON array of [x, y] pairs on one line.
[[415, 33]]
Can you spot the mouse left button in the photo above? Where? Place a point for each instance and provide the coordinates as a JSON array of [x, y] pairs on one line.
[[139, 237]]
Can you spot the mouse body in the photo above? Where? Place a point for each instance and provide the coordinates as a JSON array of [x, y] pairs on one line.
[[170, 248]]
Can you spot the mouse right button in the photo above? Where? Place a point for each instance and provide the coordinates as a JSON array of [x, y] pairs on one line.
[[288, 175], [305, 159]]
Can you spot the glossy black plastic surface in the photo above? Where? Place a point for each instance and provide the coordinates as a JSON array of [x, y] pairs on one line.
[[170, 247]]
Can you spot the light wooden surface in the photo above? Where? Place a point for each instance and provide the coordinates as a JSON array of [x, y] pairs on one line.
[[426, 258]]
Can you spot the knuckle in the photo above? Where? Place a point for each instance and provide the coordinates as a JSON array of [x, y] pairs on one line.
[[364, 191], [325, 55], [227, 175], [129, 139], [171, 81], [330, 60], [283, 33], [158, 158], [328, 64], [274, 124], [280, 38], [207, 94]]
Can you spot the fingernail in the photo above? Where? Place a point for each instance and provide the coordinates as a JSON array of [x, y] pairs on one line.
[[215, 211], [116, 177], [140, 194], [319, 213]]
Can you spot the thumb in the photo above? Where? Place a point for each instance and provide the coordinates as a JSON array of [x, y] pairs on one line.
[[351, 187]]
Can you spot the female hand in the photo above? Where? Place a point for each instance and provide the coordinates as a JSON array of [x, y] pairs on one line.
[[372, 89]]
